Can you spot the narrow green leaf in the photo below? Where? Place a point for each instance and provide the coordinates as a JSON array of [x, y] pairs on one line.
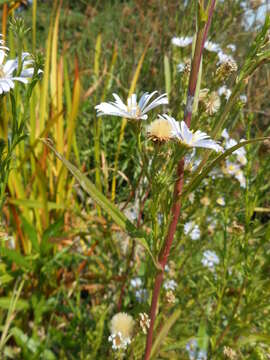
[[164, 332], [36, 204], [31, 233], [247, 339], [20, 304], [119, 218], [16, 257]]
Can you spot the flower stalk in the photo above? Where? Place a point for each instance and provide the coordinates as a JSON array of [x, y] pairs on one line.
[[176, 208]]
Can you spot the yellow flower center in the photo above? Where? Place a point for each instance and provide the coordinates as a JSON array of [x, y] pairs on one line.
[[159, 130]]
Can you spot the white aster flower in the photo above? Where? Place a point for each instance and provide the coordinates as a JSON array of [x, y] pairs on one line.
[[231, 168], [136, 282], [8, 69], [192, 230], [232, 47], [230, 143], [239, 175], [243, 98], [225, 134], [223, 90], [224, 58], [182, 41], [194, 352], [141, 295], [210, 259], [221, 201], [118, 341], [211, 46], [241, 155], [133, 109], [190, 138], [170, 285], [181, 67]]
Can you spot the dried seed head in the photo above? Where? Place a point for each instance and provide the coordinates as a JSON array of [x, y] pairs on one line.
[[203, 94], [229, 353], [187, 68], [170, 297], [212, 103], [159, 130], [205, 201], [144, 322], [226, 68]]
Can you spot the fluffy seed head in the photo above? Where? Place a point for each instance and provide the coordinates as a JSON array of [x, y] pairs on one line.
[[212, 103], [122, 323]]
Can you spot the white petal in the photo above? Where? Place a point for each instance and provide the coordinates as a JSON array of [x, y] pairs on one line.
[[161, 100]]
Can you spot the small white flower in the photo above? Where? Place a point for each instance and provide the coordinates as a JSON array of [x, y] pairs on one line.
[[194, 352], [136, 282], [211, 46], [181, 67], [141, 295], [132, 110], [241, 178], [118, 341], [231, 168], [232, 47], [182, 41], [230, 143], [170, 285], [221, 201], [190, 138], [210, 259], [192, 230], [240, 153], [243, 98], [225, 134], [224, 58], [223, 90], [191, 197], [8, 69]]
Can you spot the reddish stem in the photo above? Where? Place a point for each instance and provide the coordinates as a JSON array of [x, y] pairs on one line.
[[165, 251]]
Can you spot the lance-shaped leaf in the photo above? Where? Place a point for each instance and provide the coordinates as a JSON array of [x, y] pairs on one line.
[[118, 217]]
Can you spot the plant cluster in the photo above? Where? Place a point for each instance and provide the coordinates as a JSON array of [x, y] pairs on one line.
[[136, 228]]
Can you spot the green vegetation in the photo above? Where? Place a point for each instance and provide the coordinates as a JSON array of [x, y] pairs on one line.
[[87, 201]]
